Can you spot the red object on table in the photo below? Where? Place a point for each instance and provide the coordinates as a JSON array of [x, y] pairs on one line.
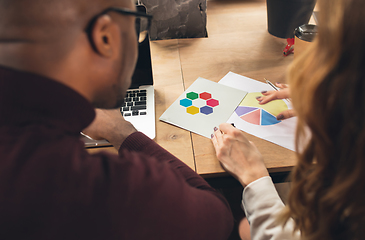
[[289, 47]]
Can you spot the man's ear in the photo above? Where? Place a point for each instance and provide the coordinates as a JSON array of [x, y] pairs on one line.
[[104, 36]]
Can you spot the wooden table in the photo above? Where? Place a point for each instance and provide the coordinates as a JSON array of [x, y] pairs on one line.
[[237, 41]]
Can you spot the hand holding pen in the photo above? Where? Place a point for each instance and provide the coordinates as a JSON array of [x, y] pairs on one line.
[[281, 91]]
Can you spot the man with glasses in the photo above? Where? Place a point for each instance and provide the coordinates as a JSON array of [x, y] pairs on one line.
[[58, 59]]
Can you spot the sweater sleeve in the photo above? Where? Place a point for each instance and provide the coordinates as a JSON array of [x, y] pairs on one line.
[[262, 204], [139, 142], [174, 200]]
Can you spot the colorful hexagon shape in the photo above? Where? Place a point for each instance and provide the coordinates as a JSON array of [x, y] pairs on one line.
[[192, 110], [212, 102], [206, 110], [192, 95], [205, 95], [186, 102]]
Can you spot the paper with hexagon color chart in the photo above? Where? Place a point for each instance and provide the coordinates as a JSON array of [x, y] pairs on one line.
[[203, 106]]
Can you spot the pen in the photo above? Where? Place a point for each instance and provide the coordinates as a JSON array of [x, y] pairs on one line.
[[272, 85]]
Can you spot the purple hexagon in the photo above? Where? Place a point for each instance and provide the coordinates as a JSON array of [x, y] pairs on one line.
[[212, 102], [206, 110]]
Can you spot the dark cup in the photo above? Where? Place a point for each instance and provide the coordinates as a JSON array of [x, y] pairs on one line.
[[306, 32], [304, 35], [283, 16]]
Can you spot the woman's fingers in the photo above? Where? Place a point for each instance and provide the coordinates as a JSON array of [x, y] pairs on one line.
[[273, 95], [268, 97], [286, 114], [281, 85], [216, 138], [237, 155]]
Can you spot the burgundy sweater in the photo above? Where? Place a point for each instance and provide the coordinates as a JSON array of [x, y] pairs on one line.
[[52, 188]]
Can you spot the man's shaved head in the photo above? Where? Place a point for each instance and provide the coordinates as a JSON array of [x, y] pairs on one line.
[[47, 20], [49, 37]]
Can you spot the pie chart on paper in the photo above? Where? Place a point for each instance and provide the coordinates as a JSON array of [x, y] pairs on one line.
[[249, 110]]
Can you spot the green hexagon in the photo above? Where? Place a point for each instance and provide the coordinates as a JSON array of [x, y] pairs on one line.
[[192, 110], [192, 95]]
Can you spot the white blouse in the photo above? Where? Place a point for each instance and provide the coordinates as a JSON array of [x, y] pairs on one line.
[[262, 205]]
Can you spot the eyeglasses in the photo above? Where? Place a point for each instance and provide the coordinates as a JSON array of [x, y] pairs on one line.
[[142, 24]]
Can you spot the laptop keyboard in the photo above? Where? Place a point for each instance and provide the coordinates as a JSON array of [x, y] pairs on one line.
[[135, 103]]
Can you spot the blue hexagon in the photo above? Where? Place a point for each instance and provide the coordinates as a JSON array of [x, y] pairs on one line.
[[206, 110], [186, 102]]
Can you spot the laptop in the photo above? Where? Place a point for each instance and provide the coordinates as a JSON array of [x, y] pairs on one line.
[[139, 103]]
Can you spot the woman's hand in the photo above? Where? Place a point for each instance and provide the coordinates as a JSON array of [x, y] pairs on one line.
[[237, 155], [283, 93]]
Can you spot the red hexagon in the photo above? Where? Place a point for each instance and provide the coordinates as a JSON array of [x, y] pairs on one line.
[[205, 95], [212, 102]]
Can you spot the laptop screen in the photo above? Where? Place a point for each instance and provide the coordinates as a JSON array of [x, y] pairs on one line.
[[143, 72]]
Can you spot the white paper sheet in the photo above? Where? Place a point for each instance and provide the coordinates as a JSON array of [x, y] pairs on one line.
[[281, 133], [203, 106]]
